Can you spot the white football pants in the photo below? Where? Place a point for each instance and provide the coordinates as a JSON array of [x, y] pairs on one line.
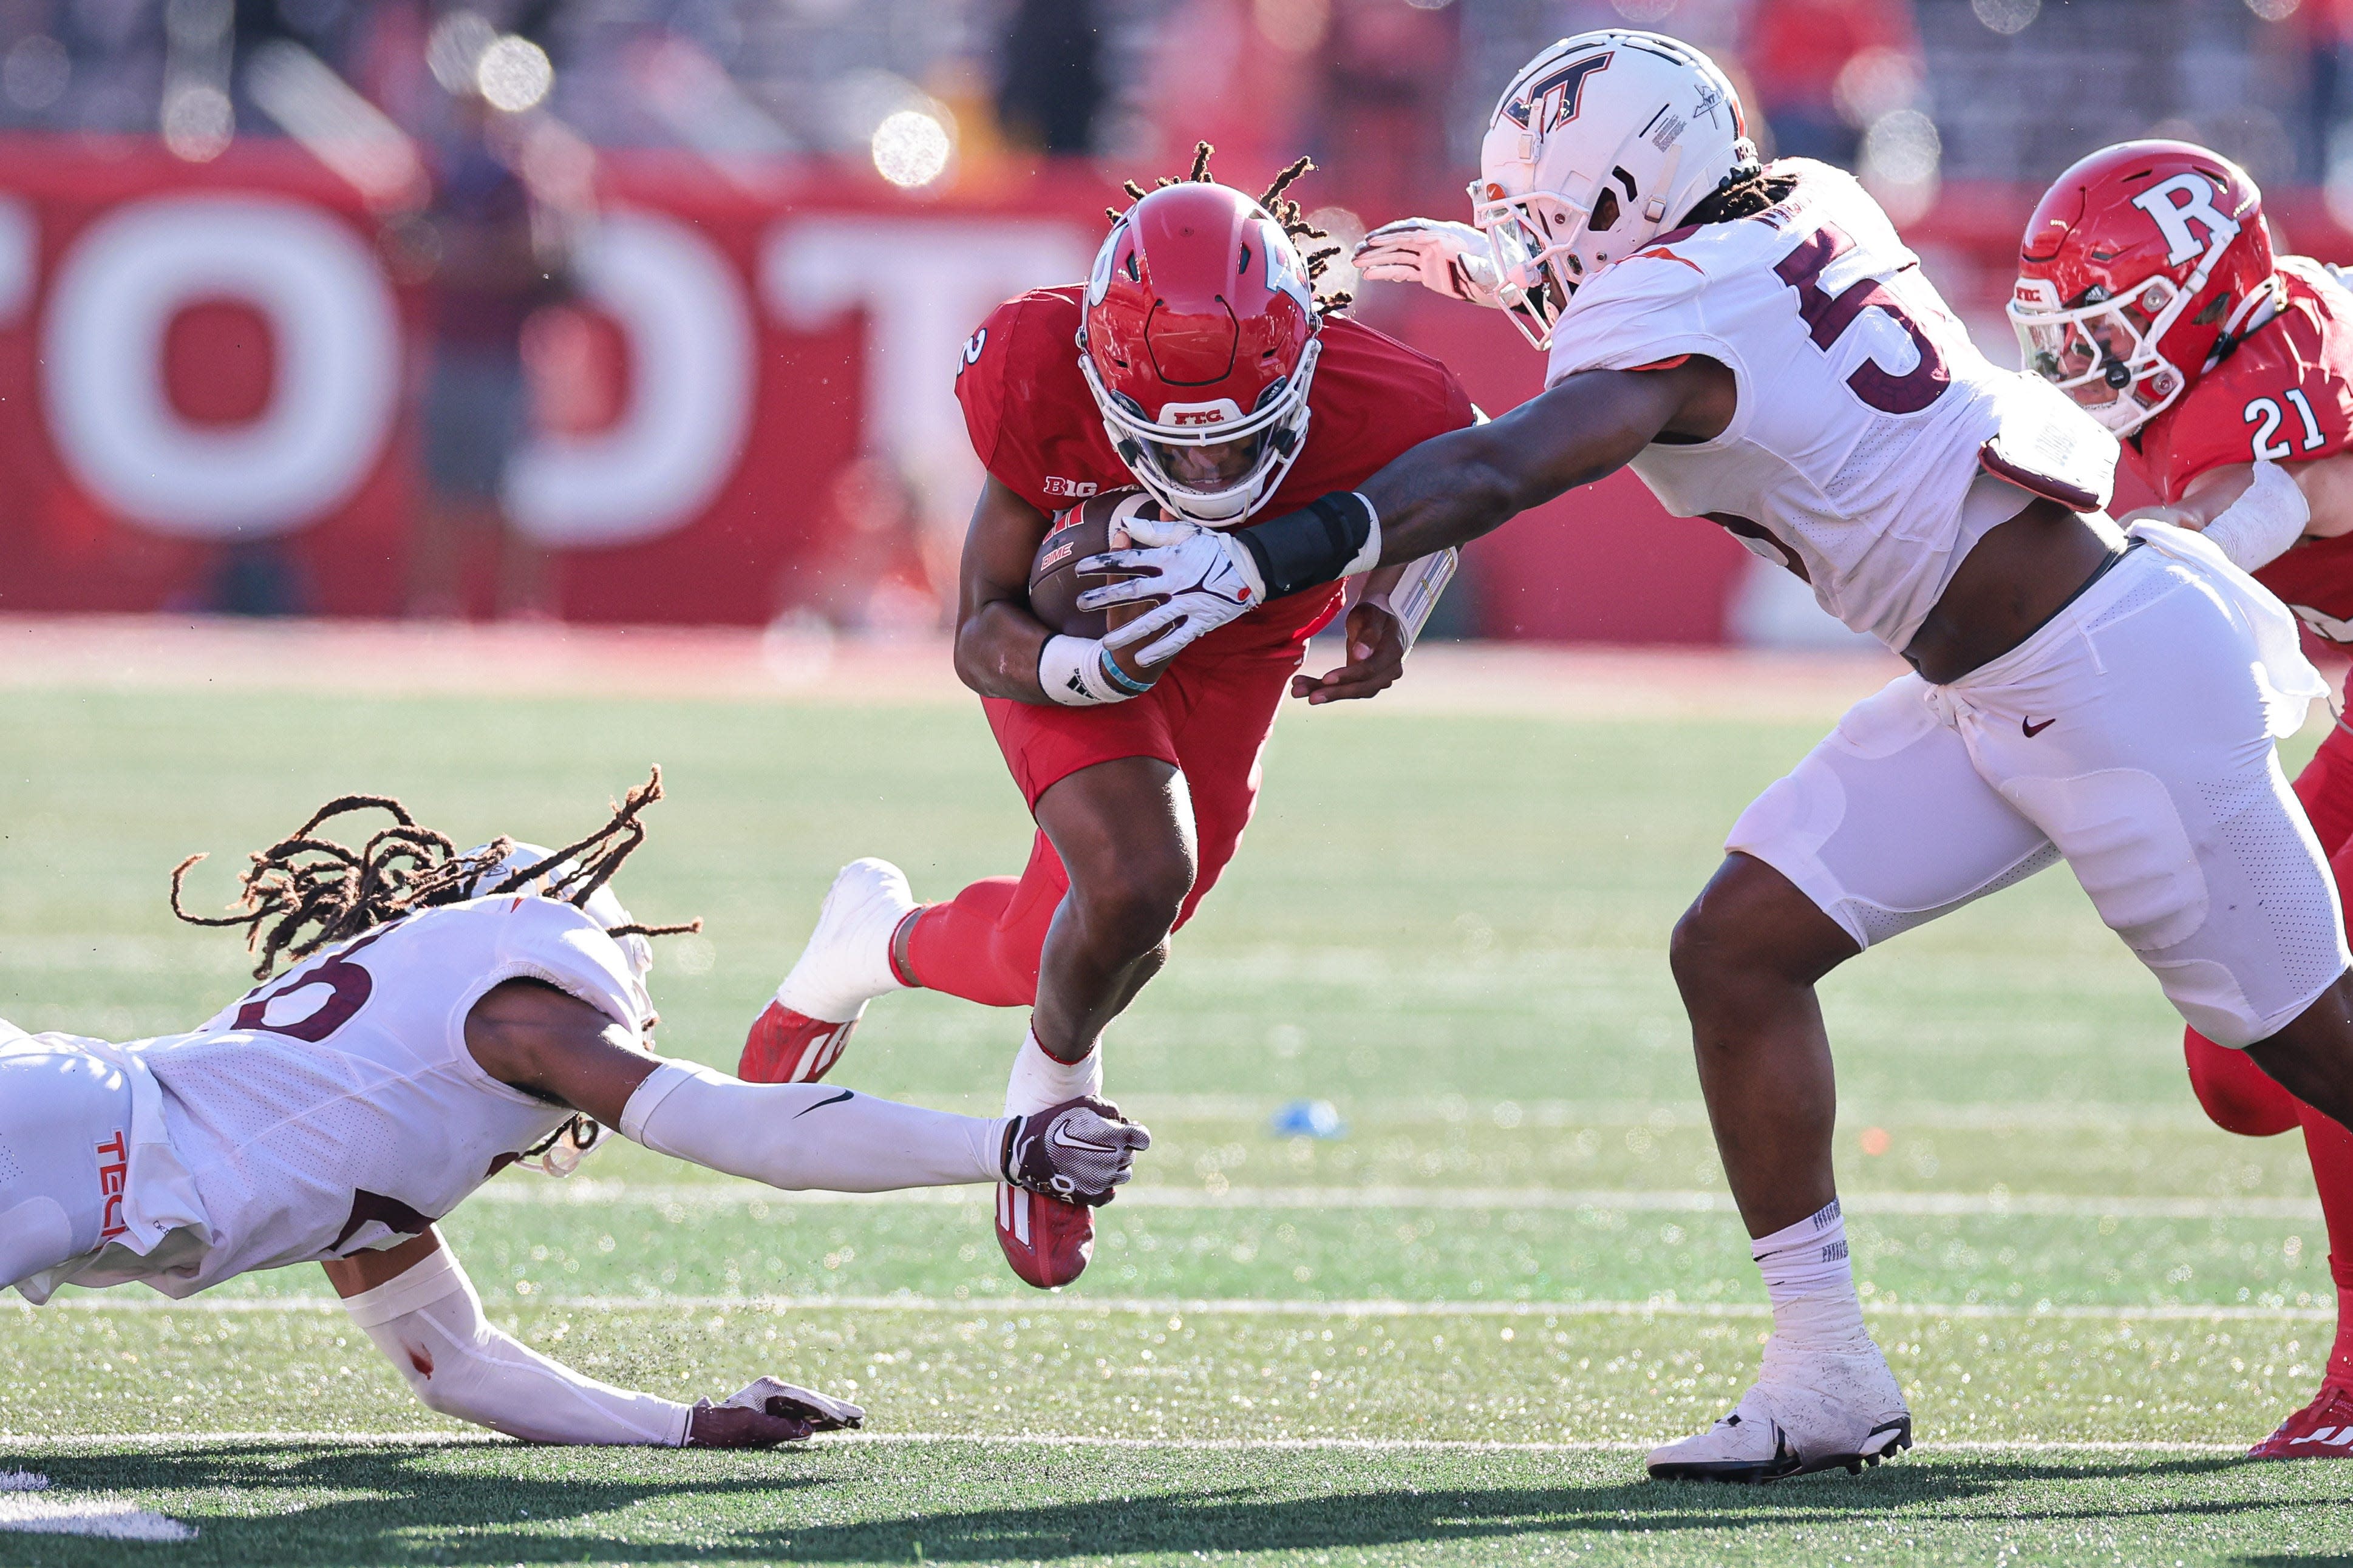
[[2132, 737], [65, 1150]]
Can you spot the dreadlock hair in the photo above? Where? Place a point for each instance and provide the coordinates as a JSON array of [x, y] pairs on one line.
[[306, 891], [1747, 190], [1284, 211]]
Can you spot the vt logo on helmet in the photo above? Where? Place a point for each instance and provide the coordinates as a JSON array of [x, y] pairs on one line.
[[2140, 269], [1199, 343], [1601, 143]]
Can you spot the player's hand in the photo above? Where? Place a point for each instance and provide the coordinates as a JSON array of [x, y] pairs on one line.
[[1202, 579], [1449, 258], [768, 1413], [1376, 646], [1076, 1151]]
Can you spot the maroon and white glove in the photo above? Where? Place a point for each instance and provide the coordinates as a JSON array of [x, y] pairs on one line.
[[1449, 258], [768, 1413], [1076, 1151]]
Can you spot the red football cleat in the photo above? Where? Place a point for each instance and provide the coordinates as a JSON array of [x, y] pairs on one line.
[[786, 1047], [1047, 1240], [2321, 1430]]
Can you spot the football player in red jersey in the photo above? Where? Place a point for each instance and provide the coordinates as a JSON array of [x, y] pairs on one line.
[[1197, 364], [2148, 290]]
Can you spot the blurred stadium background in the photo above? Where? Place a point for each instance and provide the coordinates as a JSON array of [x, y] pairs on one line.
[[646, 311]]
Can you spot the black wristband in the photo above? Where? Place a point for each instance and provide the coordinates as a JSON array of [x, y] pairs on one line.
[[1315, 545]]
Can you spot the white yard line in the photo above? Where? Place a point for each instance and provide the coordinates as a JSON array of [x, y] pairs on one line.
[[1058, 1440], [532, 1192], [1245, 1307], [1548, 1114], [28, 1505]]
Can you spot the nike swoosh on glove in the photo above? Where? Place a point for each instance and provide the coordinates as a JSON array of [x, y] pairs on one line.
[[1449, 258], [1207, 578], [1076, 1151]]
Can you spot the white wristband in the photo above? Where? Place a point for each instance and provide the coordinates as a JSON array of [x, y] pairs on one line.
[[2258, 528], [1416, 594], [1070, 671], [1369, 556]]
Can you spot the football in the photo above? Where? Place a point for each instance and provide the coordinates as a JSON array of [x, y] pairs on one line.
[[1091, 527]]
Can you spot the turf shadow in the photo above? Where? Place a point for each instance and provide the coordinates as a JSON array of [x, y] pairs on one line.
[[479, 1505], [1250, 1517], [379, 1497]]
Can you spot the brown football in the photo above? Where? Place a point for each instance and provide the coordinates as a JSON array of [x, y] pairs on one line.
[[1091, 527]]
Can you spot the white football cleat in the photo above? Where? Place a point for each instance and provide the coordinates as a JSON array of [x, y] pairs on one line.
[[1810, 1410], [847, 962]]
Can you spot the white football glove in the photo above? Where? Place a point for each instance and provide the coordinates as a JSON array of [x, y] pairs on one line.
[[1207, 577], [1449, 258]]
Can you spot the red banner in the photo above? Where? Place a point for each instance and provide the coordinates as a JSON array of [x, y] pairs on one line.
[[209, 368]]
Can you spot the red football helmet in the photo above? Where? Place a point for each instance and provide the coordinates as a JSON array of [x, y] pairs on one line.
[[1199, 345], [2139, 268]]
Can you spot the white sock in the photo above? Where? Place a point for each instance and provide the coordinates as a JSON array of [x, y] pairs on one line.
[[1039, 1080], [1810, 1281]]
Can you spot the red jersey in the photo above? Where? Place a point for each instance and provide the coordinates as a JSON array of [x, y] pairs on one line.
[[2286, 394], [1034, 427]]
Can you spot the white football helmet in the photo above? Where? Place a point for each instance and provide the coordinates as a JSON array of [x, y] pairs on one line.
[[1600, 143], [561, 1154], [603, 905]]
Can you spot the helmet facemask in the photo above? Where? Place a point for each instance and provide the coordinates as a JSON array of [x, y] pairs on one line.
[[1531, 239], [1182, 459], [2102, 352]]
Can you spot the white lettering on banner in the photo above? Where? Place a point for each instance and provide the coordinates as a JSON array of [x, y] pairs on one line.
[[338, 363], [20, 253], [679, 303], [923, 284]]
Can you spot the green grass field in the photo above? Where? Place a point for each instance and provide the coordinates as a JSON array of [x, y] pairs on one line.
[[1442, 1338]]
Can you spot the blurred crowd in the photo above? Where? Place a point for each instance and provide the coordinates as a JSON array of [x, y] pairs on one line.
[[1395, 87], [472, 126]]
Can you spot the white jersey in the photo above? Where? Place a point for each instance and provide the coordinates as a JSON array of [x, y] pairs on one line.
[[1863, 405], [336, 1108]]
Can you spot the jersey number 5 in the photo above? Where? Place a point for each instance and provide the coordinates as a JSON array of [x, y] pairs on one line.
[[1828, 316], [348, 985], [2266, 416]]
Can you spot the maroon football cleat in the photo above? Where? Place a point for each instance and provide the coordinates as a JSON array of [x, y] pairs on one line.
[[2321, 1430], [1047, 1240], [786, 1047]]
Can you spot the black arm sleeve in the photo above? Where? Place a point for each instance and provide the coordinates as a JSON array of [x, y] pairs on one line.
[[1310, 547]]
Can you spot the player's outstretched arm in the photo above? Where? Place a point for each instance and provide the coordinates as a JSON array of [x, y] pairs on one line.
[[797, 1136], [418, 1308], [1444, 492]]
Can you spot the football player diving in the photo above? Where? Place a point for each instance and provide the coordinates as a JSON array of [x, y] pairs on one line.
[[1197, 364], [1759, 346], [2148, 292], [448, 1014]]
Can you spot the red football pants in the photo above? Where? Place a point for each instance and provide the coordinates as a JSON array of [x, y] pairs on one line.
[[1209, 717], [2242, 1097]]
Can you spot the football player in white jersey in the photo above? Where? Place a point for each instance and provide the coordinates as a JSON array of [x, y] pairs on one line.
[[447, 1015], [1761, 348]]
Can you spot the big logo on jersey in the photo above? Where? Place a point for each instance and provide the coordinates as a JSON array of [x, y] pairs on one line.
[[1551, 100]]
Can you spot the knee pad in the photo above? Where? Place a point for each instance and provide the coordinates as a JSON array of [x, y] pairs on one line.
[[2236, 1095]]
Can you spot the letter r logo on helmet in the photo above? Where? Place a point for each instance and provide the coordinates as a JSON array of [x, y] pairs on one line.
[[2173, 204]]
